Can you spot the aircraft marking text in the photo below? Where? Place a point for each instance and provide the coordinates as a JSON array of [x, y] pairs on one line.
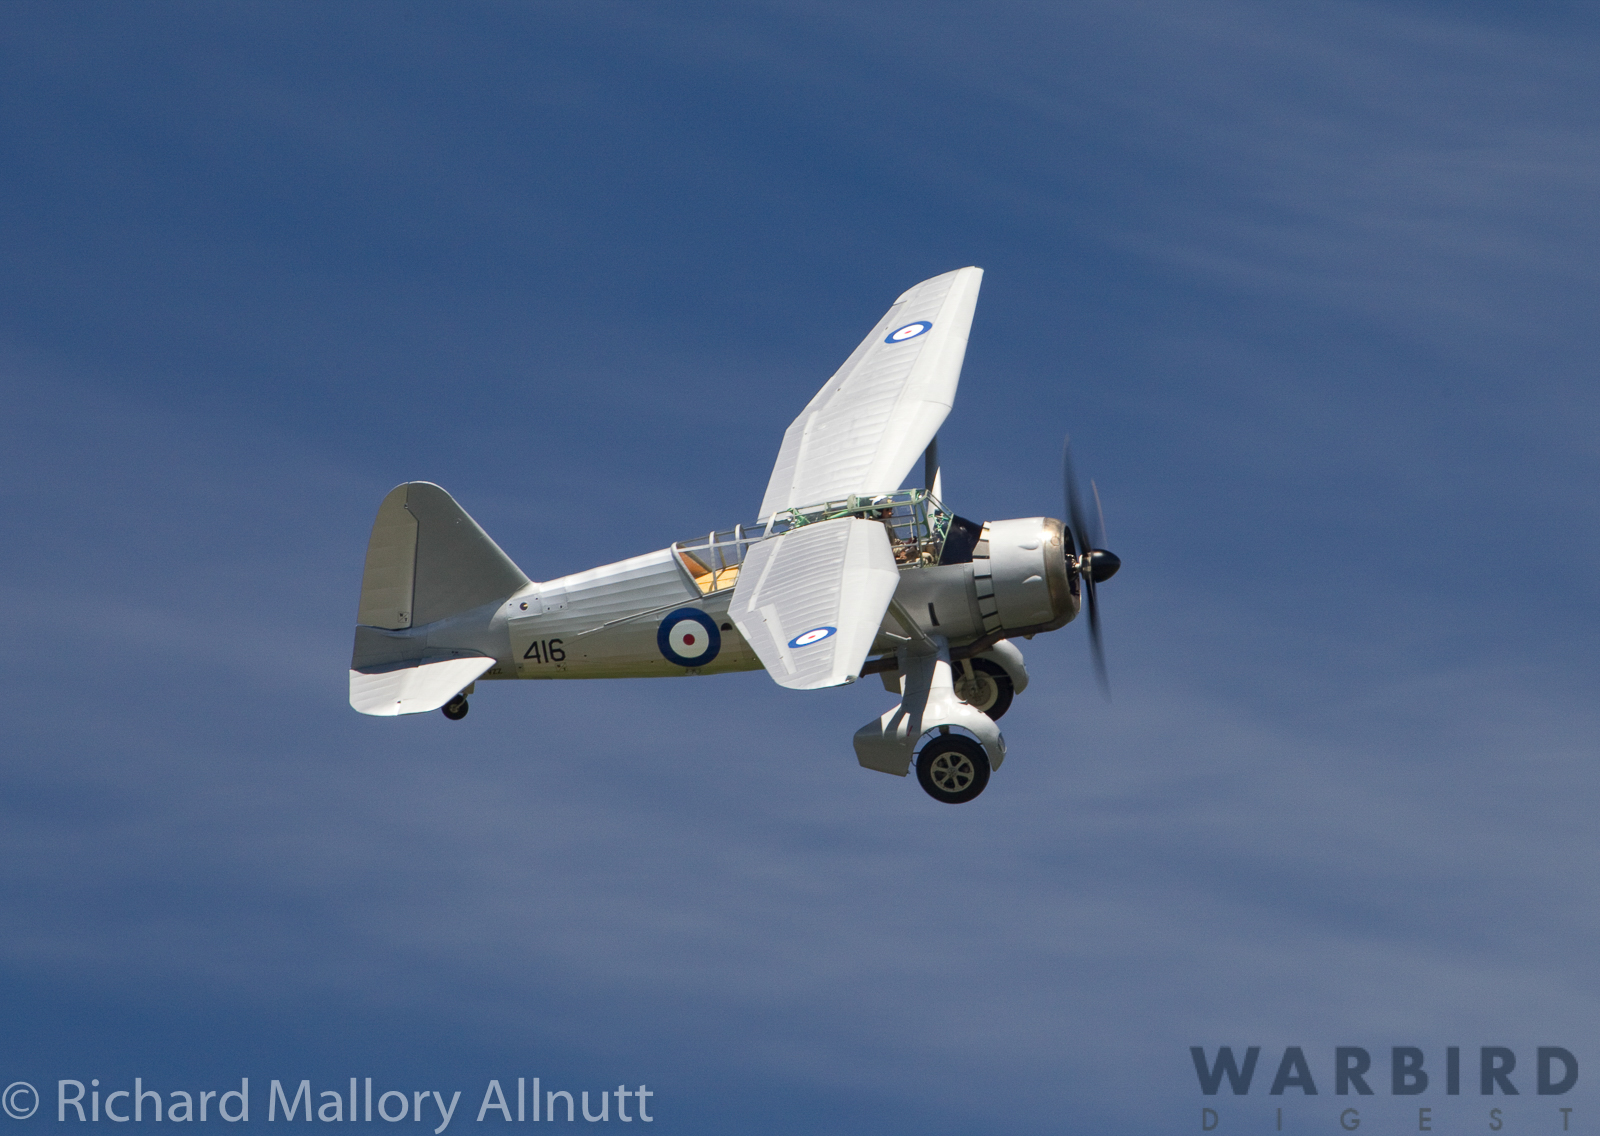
[[545, 651]]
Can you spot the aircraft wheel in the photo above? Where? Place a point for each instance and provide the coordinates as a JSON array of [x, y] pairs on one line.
[[456, 709], [952, 769], [988, 689]]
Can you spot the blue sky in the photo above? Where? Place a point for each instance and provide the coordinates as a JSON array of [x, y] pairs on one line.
[[1312, 287]]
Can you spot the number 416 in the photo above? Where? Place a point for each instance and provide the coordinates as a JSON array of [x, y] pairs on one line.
[[545, 651]]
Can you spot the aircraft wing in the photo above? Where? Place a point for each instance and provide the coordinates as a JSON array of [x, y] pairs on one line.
[[866, 429], [810, 602]]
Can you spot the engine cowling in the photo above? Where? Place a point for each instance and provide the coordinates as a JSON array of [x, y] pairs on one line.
[[1019, 568]]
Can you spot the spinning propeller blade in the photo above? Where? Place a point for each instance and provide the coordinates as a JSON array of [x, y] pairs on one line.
[[1092, 564]]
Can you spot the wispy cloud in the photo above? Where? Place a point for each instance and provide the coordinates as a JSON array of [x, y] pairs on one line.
[[1309, 286]]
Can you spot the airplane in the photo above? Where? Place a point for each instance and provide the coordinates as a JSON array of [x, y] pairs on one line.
[[844, 574]]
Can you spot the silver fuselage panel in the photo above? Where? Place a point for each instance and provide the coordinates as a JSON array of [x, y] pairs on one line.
[[603, 623]]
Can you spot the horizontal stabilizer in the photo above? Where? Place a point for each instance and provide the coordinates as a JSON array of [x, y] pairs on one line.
[[413, 687], [810, 602]]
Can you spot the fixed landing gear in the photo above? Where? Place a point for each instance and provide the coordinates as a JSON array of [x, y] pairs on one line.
[[952, 768], [456, 709], [985, 686]]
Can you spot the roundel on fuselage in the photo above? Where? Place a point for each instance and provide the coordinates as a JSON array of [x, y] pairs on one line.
[[688, 637]]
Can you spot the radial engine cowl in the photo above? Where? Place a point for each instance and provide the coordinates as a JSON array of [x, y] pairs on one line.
[[1020, 569]]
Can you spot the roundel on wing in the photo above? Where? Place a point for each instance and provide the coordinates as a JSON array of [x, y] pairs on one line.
[[815, 635], [689, 637], [909, 331]]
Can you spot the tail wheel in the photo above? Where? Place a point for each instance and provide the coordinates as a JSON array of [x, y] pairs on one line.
[[952, 769], [987, 688], [456, 709]]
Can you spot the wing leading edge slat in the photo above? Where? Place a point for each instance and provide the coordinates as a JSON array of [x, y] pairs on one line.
[[872, 421], [810, 602]]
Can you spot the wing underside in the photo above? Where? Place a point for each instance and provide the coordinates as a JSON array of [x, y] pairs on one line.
[[867, 428], [811, 601]]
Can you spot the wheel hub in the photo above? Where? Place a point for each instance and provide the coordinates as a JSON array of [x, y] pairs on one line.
[[977, 690], [952, 772]]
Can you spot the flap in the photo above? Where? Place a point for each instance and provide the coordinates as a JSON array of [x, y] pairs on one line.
[[413, 687], [810, 602]]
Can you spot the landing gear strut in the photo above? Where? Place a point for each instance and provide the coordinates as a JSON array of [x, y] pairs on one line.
[[456, 709]]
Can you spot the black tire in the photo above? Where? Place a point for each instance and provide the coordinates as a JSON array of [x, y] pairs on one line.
[[990, 687], [456, 709], [952, 769]]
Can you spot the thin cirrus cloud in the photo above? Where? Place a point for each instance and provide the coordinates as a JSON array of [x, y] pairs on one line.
[[1309, 289]]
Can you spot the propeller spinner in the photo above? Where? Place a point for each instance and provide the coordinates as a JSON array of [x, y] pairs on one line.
[[1093, 565]]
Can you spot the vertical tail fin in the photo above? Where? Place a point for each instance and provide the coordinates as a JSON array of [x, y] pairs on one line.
[[427, 559]]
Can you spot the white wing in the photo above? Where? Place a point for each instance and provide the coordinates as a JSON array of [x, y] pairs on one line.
[[869, 425], [810, 602]]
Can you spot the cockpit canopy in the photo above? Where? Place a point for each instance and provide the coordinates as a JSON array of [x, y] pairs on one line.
[[920, 533]]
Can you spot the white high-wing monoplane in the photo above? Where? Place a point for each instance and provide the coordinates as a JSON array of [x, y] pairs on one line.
[[843, 564]]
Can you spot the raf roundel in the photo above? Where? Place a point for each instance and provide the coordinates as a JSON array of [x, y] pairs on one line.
[[689, 637], [815, 635], [909, 331]]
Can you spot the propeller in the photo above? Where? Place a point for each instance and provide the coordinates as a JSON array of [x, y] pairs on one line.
[[1093, 565]]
